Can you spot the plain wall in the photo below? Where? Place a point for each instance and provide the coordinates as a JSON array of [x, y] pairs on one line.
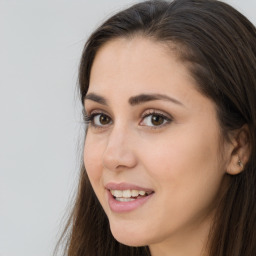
[[40, 124]]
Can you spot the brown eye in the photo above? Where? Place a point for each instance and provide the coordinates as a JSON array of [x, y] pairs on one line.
[[104, 120], [157, 120], [100, 120]]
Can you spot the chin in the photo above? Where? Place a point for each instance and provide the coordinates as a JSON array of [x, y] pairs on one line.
[[129, 237]]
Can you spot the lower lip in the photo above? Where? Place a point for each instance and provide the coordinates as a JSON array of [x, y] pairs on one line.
[[119, 207]]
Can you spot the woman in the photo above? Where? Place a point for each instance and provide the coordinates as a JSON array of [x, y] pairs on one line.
[[169, 92]]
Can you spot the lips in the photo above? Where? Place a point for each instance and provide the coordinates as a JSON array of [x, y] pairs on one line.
[[125, 186], [123, 197]]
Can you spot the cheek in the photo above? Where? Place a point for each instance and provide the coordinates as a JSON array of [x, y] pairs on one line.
[[186, 164], [184, 151], [187, 146], [186, 172], [92, 160]]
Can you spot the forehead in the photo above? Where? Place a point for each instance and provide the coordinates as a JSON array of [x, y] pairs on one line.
[[134, 63]]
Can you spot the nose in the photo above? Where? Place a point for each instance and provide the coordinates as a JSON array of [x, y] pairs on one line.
[[119, 153]]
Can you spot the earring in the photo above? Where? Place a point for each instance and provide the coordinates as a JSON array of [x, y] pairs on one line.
[[240, 163]]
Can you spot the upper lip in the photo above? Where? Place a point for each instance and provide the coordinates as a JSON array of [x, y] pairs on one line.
[[126, 186]]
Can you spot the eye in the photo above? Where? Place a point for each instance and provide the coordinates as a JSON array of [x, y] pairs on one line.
[[98, 119], [101, 119], [154, 120]]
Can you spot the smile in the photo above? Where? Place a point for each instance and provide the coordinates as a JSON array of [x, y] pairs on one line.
[[128, 195], [125, 197]]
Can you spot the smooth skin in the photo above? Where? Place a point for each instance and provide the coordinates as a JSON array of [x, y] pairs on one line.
[[170, 144]]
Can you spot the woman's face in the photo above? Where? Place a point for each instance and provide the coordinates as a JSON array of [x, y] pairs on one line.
[[152, 150]]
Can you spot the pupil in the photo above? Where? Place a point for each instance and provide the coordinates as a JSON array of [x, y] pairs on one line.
[[104, 119], [157, 120]]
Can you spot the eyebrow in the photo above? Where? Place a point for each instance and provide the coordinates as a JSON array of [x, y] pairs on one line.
[[135, 100], [142, 98], [97, 98]]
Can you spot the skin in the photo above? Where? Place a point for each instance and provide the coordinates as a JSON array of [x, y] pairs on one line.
[[182, 160]]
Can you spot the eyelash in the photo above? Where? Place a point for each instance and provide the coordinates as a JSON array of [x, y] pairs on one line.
[[152, 113], [89, 119]]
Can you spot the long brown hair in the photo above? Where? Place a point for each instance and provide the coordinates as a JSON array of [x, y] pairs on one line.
[[218, 45]]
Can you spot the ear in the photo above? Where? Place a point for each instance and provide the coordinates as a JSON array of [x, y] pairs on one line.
[[240, 150]]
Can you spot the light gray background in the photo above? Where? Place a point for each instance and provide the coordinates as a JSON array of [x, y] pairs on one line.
[[40, 123]]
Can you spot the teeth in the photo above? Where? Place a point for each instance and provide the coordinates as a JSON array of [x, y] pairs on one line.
[[142, 193], [117, 193], [127, 193], [135, 193], [121, 199]]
